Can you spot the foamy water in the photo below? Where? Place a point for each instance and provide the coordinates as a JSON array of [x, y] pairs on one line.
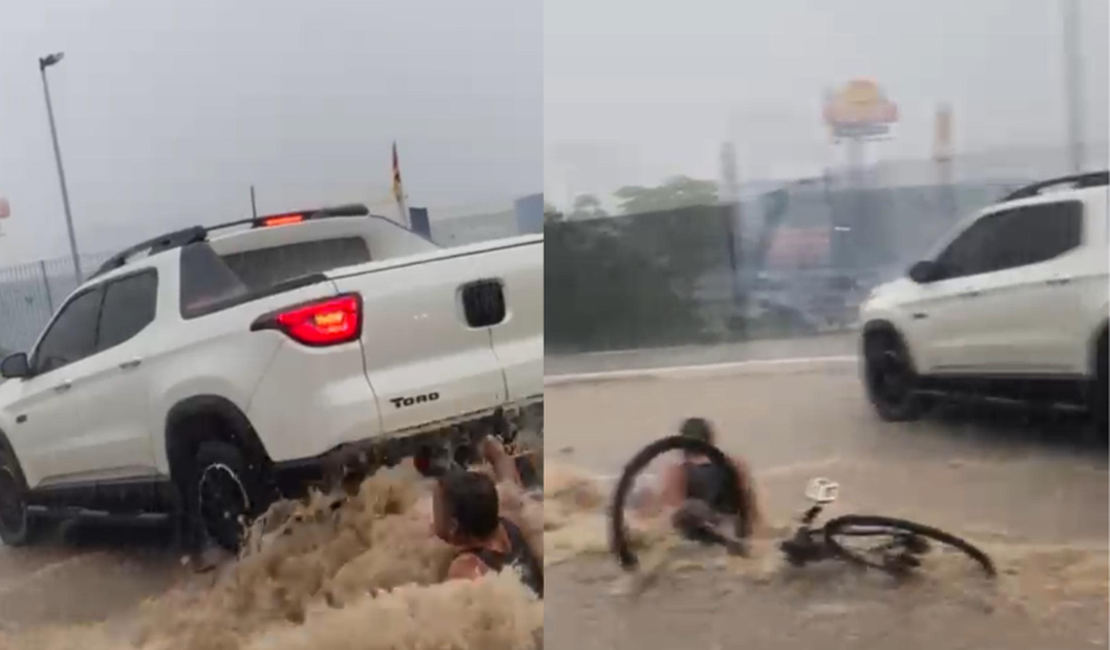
[[356, 573], [363, 573], [1038, 578]]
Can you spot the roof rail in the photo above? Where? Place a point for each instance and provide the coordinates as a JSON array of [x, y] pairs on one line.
[[1076, 181], [180, 238]]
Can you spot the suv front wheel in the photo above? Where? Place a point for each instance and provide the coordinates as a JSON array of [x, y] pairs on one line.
[[15, 523], [1101, 394], [889, 377]]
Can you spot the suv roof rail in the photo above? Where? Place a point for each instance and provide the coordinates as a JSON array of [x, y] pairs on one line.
[[1076, 181], [194, 234]]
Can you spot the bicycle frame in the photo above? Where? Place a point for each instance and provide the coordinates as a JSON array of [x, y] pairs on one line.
[[807, 544]]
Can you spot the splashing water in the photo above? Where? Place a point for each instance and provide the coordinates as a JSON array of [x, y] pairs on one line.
[[1038, 578], [351, 573]]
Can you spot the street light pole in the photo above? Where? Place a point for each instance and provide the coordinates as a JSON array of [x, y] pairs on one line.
[[44, 63], [1073, 78]]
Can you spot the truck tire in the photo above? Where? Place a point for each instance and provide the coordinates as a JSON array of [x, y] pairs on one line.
[[889, 377], [225, 495], [15, 522], [1099, 397]]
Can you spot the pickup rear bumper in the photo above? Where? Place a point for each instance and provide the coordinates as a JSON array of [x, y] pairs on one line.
[[348, 464]]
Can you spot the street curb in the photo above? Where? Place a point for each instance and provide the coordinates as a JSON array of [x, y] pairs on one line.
[[734, 368]]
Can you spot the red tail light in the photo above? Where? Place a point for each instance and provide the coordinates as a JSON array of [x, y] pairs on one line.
[[326, 322], [283, 220]]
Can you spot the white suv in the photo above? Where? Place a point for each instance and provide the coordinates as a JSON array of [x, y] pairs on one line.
[[1012, 303]]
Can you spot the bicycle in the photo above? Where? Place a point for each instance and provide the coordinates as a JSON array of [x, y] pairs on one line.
[[902, 542]]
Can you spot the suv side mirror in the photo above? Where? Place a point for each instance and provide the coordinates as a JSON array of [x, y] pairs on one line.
[[925, 272], [15, 366]]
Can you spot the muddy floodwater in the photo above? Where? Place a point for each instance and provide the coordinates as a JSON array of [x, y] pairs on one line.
[[359, 573], [1030, 488]]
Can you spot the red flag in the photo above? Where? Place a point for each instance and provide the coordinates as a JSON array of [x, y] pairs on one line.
[[398, 191]]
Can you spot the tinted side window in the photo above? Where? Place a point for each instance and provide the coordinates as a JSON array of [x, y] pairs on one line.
[[966, 255], [129, 306], [1037, 233], [72, 336], [266, 267], [206, 282]]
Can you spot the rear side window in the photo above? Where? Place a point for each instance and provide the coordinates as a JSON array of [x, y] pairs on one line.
[[129, 306], [207, 284], [72, 336], [267, 267], [1037, 233], [1014, 238]]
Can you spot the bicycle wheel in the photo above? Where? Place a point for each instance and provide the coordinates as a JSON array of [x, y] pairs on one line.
[[619, 542], [902, 534]]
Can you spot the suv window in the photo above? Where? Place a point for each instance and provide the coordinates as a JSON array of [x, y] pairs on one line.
[[1015, 237], [1037, 233], [966, 254], [129, 306], [265, 267], [72, 336]]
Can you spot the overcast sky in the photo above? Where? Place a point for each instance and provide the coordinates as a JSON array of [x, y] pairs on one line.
[[636, 90], [168, 110]]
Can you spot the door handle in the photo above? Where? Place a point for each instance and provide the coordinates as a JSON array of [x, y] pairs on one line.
[[63, 387], [133, 363], [1055, 282], [974, 293]]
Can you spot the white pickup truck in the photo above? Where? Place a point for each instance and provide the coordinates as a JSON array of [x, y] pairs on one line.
[[204, 375]]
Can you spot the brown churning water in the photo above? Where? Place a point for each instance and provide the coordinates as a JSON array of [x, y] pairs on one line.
[[355, 573]]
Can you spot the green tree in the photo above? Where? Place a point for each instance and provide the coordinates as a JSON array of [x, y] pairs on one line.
[[587, 206], [676, 192], [551, 214]]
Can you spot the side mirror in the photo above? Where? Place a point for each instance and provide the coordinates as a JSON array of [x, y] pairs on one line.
[[15, 366], [925, 272]]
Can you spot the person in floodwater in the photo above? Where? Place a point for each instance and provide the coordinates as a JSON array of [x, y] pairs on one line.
[[699, 493], [466, 514]]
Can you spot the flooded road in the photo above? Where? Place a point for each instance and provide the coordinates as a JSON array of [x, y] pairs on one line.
[[1029, 488], [359, 573]]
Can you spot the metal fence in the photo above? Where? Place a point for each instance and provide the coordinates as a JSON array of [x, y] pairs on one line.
[[789, 263], [30, 293]]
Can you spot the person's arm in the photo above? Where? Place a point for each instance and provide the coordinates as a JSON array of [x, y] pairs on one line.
[[674, 486], [746, 487], [504, 468]]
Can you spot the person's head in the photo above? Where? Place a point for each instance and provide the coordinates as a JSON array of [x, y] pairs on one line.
[[465, 507], [697, 428]]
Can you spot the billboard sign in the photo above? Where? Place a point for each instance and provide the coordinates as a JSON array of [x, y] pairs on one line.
[[859, 109], [942, 133]]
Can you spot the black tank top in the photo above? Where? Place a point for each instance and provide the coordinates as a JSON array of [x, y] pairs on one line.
[[519, 556], [709, 483]]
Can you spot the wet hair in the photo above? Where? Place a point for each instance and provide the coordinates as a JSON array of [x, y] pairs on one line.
[[697, 428], [470, 498]]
